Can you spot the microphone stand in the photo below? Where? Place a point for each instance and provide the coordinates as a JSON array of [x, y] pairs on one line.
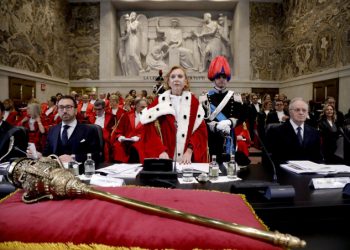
[[175, 152], [274, 177], [271, 189]]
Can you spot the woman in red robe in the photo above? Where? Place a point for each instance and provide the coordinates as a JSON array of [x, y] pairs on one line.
[[174, 124]]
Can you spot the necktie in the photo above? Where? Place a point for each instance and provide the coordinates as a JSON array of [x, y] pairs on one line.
[[65, 134], [300, 138]]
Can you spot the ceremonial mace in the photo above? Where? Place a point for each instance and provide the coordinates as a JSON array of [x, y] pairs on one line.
[[46, 178]]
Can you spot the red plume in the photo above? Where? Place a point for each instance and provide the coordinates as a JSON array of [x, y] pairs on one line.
[[218, 66]]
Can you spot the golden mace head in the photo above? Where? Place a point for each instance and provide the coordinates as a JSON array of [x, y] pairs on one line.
[[44, 178]]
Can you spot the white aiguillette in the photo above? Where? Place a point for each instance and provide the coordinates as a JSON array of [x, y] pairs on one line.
[[326, 183]]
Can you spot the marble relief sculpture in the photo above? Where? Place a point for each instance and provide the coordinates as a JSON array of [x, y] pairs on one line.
[[157, 43], [174, 38], [134, 29]]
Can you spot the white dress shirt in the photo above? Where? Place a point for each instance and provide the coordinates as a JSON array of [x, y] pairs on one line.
[[71, 128]]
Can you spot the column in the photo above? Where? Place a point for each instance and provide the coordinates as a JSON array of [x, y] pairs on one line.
[[241, 43]]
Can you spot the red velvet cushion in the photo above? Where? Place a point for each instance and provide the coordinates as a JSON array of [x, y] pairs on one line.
[[96, 221]]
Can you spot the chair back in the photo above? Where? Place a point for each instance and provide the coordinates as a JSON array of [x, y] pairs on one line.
[[99, 131]]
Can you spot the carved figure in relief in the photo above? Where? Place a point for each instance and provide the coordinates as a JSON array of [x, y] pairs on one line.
[[209, 41], [303, 57], [174, 38], [155, 58], [223, 31], [324, 49], [136, 43]]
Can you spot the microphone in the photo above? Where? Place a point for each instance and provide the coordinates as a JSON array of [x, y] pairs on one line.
[[12, 142], [175, 152], [274, 177], [20, 150], [271, 190], [344, 134]]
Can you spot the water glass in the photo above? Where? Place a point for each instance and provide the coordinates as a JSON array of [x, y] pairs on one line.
[[187, 173]]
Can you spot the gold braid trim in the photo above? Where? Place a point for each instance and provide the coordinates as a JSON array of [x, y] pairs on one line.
[[157, 125], [8, 196], [116, 123], [253, 211], [10, 245]]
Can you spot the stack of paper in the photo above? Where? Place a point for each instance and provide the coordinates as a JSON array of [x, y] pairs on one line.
[[309, 167], [197, 167], [122, 170], [106, 181]]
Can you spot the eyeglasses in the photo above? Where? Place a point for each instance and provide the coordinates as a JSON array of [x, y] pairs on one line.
[[98, 109], [299, 110], [223, 76], [68, 107]]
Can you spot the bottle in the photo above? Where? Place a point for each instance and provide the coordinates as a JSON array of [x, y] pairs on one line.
[[89, 166], [232, 167], [213, 169], [73, 165]]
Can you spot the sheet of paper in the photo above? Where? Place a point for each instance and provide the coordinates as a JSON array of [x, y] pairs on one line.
[[106, 181], [301, 167], [224, 179], [122, 170], [181, 181], [197, 167], [325, 183]]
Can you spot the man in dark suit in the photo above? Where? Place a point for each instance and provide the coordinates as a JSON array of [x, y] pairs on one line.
[[278, 115], [294, 140], [4, 128], [70, 137], [253, 109]]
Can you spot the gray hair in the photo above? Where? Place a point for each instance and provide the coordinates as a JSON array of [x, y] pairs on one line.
[[291, 104]]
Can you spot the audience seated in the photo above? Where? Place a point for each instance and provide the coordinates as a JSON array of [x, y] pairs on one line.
[[119, 121]]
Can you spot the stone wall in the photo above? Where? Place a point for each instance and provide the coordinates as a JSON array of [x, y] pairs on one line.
[[33, 36], [298, 38], [84, 44]]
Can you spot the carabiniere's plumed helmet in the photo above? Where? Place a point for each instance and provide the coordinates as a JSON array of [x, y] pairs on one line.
[[219, 66]]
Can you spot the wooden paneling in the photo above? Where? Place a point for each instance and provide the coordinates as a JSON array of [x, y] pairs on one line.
[[326, 88], [21, 91]]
